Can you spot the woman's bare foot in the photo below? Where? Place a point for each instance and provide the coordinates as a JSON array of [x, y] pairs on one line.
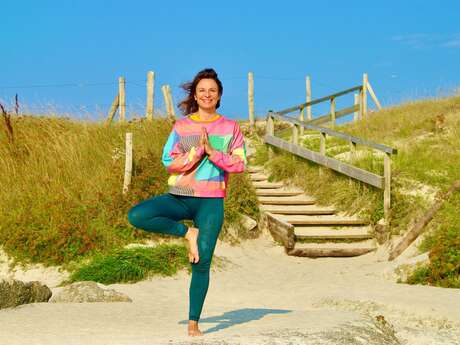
[[193, 329], [192, 237]]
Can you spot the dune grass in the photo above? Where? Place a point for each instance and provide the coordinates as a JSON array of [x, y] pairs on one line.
[[61, 180], [134, 264]]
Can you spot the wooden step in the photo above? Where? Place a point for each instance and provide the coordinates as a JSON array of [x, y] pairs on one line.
[[316, 250], [261, 185], [298, 209], [278, 192], [321, 220], [254, 169], [315, 232], [258, 177], [286, 200]]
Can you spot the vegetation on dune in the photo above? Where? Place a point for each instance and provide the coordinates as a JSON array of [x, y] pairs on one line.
[[134, 264], [61, 198], [427, 136]]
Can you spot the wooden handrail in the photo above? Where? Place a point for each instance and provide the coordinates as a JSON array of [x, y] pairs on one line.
[[319, 100], [336, 134]]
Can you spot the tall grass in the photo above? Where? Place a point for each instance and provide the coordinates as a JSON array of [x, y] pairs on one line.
[[61, 187]]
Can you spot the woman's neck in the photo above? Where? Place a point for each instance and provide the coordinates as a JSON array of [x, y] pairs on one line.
[[206, 115]]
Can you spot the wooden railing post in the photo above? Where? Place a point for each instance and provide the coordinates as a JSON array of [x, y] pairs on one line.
[[251, 99], [270, 130], [150, 95], [322, 149], [356, 113], [302, 118], [333, 112], [308, 89], [295, 134], [122, 98], [387, 187], [364, 97]]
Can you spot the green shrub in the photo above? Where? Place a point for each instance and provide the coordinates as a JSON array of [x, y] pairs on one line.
[[132, 265]]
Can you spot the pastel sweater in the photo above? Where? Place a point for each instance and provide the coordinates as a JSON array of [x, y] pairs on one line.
[[193, 172]]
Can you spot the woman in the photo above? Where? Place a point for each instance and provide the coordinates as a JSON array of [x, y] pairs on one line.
[[202, 149]]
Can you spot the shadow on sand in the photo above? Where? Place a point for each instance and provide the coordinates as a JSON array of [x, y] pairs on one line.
[[236, 317]]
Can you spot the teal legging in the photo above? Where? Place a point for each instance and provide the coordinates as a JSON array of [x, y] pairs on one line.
[[163, 213]]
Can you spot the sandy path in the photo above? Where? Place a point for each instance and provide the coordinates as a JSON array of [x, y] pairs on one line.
[[261, 297]]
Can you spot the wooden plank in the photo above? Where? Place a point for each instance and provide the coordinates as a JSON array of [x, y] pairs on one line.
[[267, 184], [336, 134], [281, 231], [321, 220], [258, 177], [333, 115], [338, 114], [373, 96], [277, 192], [315, 250], [319, 100], [421, 223], [298, 209], [254, 169], [286, 200], [315, 233], [332, 163]]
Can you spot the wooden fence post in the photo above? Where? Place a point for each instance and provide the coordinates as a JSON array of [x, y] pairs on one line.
[[251, 99], [150, 94], [122, 98], [128, 162], [112, 111], [356, 113], [387, 190], [333, 112], [164, 90], [171, 103], [364, 97], [308, 89]]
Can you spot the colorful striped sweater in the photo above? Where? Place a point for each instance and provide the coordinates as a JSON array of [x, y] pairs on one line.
[[193, 172]]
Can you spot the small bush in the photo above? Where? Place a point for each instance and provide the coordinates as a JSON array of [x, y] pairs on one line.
[[132, 265]]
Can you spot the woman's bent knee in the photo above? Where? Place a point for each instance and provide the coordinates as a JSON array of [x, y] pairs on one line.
[[135, 217]]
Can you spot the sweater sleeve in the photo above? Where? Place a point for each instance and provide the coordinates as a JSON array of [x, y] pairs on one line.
[[175, 159], [235, 160]]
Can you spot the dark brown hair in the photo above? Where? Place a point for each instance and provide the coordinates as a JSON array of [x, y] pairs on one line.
[[189, 105]]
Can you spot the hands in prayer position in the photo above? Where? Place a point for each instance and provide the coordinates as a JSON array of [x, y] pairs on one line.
[[204, 141]]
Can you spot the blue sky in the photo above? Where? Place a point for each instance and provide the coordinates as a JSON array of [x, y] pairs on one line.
[[67, 55]]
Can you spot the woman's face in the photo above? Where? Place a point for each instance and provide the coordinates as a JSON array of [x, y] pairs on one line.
[[207, 94]]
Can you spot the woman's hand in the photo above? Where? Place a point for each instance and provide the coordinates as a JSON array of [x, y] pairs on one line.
[[205, 142]]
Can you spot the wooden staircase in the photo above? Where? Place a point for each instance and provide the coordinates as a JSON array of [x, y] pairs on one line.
[[306, 229]]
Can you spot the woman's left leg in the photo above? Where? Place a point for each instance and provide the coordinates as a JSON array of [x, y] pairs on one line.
[[208, 219]]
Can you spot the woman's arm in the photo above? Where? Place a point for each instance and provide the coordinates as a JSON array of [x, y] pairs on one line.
[[175, 159], [235, 160]]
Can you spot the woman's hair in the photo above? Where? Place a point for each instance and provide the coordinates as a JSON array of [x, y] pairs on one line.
[[189, 105]]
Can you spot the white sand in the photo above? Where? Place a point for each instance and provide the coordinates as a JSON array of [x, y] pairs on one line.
[[262, 297]]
